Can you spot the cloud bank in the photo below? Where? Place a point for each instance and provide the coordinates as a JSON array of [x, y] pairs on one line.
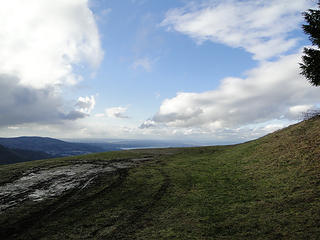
[[41, 41], [23, 104], [248, 106], [274, 90], [117, 112], [86, 104], [260, 27], [41, 45]]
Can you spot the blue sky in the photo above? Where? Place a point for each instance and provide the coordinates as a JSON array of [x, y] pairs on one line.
[[131, 32], [214, 71]]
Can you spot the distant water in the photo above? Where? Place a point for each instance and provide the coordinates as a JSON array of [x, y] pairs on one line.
[[131, 148]]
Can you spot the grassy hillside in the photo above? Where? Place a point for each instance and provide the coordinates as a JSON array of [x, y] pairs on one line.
[[9, 156], [264, 189]]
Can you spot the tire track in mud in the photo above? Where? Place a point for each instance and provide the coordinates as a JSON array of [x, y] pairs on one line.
[[23, 196], [67, 200], [30, 221], [38, 218], [74, 202], [134, 222]]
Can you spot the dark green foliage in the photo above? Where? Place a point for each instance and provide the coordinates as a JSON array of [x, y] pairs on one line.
[[310, 65], [312, 16]]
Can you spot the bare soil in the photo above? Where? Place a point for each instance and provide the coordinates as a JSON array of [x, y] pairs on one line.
[[40, 184]]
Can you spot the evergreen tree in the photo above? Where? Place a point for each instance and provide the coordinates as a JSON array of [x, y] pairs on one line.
[[310, 65]]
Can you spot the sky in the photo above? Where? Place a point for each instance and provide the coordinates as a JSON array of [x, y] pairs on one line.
[[207, 70]]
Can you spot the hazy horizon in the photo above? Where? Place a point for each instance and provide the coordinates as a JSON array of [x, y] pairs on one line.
[[172, 70]]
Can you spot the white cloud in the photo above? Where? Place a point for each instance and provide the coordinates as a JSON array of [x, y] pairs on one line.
[[99, 115], [144, 63], [273, 127], [260, 27], [86, 104], [13, 128], [106, 11], [116, 112], [241, 108], [23, 104], [298, 111], [101, 15], [270, 91], [148, 124], [41, 40]]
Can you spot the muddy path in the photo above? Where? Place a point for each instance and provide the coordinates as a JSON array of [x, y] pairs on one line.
[[40, 184], [125, 226], [135, 221], [63, 187], [65, 202]]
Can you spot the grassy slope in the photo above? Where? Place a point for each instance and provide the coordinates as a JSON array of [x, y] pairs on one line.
[[263, 189]]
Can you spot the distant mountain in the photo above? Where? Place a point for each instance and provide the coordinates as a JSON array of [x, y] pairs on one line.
[[51, 146], [134, 144], [122, 144], [21, 149], [8, 156]]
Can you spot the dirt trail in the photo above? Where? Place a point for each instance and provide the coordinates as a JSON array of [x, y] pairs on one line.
[[40, 184], [67, 182], [134, 222]]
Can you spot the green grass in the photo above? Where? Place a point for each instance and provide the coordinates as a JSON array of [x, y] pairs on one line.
[[264, 189]]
